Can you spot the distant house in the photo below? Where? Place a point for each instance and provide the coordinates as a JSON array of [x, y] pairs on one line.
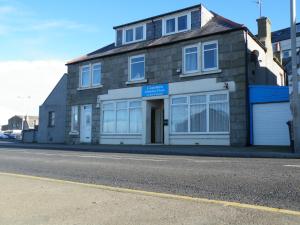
[[4, 127], [52, 115], [281, 40], [19, 122]]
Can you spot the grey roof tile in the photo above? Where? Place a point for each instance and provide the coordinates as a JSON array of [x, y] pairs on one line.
[[215, 25]]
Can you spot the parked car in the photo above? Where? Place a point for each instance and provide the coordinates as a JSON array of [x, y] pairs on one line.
[[14, 134], [3, 136]]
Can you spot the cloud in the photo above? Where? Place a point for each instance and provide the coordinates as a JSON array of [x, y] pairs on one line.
[[58, 24], [7, 10], [19, 18], [20, 79]]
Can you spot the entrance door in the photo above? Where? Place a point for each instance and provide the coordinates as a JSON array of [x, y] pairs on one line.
[[157, 127], [86, 124]]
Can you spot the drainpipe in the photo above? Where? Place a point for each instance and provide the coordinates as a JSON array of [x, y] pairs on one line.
[[248, 106]]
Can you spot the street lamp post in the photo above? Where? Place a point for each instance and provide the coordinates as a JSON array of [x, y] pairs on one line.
[[23, 99], [295, 101]]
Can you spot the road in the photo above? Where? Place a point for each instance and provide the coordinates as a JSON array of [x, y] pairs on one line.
[[267, 182]]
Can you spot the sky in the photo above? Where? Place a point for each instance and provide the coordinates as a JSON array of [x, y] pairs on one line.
[[38, 37]]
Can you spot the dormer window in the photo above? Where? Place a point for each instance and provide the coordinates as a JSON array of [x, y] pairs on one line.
[[134, 34], [177, 24]]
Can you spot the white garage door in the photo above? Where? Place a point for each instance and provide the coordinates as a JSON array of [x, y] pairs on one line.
[[269, 124]]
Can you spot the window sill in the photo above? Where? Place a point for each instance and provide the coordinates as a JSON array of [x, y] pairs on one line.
[[88, 88], [137, 81], [199, 133], [200, 73]]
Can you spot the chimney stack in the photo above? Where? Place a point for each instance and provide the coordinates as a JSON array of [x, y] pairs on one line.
[[264, 33]]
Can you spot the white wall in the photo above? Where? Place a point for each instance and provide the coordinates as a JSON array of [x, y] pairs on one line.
[[266, 59], [178, 88]]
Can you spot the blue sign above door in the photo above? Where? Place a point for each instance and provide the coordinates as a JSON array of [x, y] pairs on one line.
[[155, 90]]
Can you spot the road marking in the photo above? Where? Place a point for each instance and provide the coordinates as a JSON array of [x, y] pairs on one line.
[[160, 195], [297, 166], [91, 156]]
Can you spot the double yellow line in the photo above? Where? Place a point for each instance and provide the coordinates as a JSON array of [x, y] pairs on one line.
[[161, 195]]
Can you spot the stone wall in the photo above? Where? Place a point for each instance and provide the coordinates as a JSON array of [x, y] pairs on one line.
[[162, 64]]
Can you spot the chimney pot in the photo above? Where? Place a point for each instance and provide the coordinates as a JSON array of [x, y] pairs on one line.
[[264, 32]]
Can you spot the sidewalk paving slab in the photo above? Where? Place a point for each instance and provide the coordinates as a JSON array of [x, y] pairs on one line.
[[211, 151], [25, 200]]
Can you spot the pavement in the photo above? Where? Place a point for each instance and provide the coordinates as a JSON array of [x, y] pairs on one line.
[[34, 201], [213, 151], [258, 181]]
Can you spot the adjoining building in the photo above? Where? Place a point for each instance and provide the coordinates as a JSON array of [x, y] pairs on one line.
[[52, 115], [281, 40], [176, 78]]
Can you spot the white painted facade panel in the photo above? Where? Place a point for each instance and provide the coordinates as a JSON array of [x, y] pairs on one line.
[[179, 88]]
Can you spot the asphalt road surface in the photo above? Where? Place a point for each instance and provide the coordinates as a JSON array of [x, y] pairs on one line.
[[267, 182]]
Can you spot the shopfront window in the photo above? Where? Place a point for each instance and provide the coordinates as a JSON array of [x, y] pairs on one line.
[[205, 113], [122, 117]]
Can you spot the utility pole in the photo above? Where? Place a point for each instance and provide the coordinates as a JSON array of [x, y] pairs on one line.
[[295, 101]]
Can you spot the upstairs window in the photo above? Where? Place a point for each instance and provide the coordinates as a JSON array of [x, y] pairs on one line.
[[182, 23], [134, 34], [200, 58], [286, 54], [177, 24], [210, 56], [129, 35], [137, 68], [191, 59], [85, 76], [90, 76], [170, 26], [96, 74], [51, 119]]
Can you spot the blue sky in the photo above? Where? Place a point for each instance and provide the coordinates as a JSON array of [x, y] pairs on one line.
[[37, 37], [64, 29]]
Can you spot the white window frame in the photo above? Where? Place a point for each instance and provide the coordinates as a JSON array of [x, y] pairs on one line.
[[129, 67], [198, 46], [134, 33], [164, 25], [92, 72], [202, 55], [208, 102], [76, 108], [80, 77], [115, 116], [91, 85]]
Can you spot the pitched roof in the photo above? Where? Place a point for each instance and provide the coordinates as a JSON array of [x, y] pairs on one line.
[[158, 16], [283, 34], [217, 24]]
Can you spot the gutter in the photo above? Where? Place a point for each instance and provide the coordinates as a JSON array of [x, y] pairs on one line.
[[248, 106]]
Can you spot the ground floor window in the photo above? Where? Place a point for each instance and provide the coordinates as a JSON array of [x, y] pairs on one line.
[[74, 119], [122, 117], [200, 113]]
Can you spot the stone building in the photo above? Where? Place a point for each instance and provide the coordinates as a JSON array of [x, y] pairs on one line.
[[19, 122], [177, 78], [52, 115]]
